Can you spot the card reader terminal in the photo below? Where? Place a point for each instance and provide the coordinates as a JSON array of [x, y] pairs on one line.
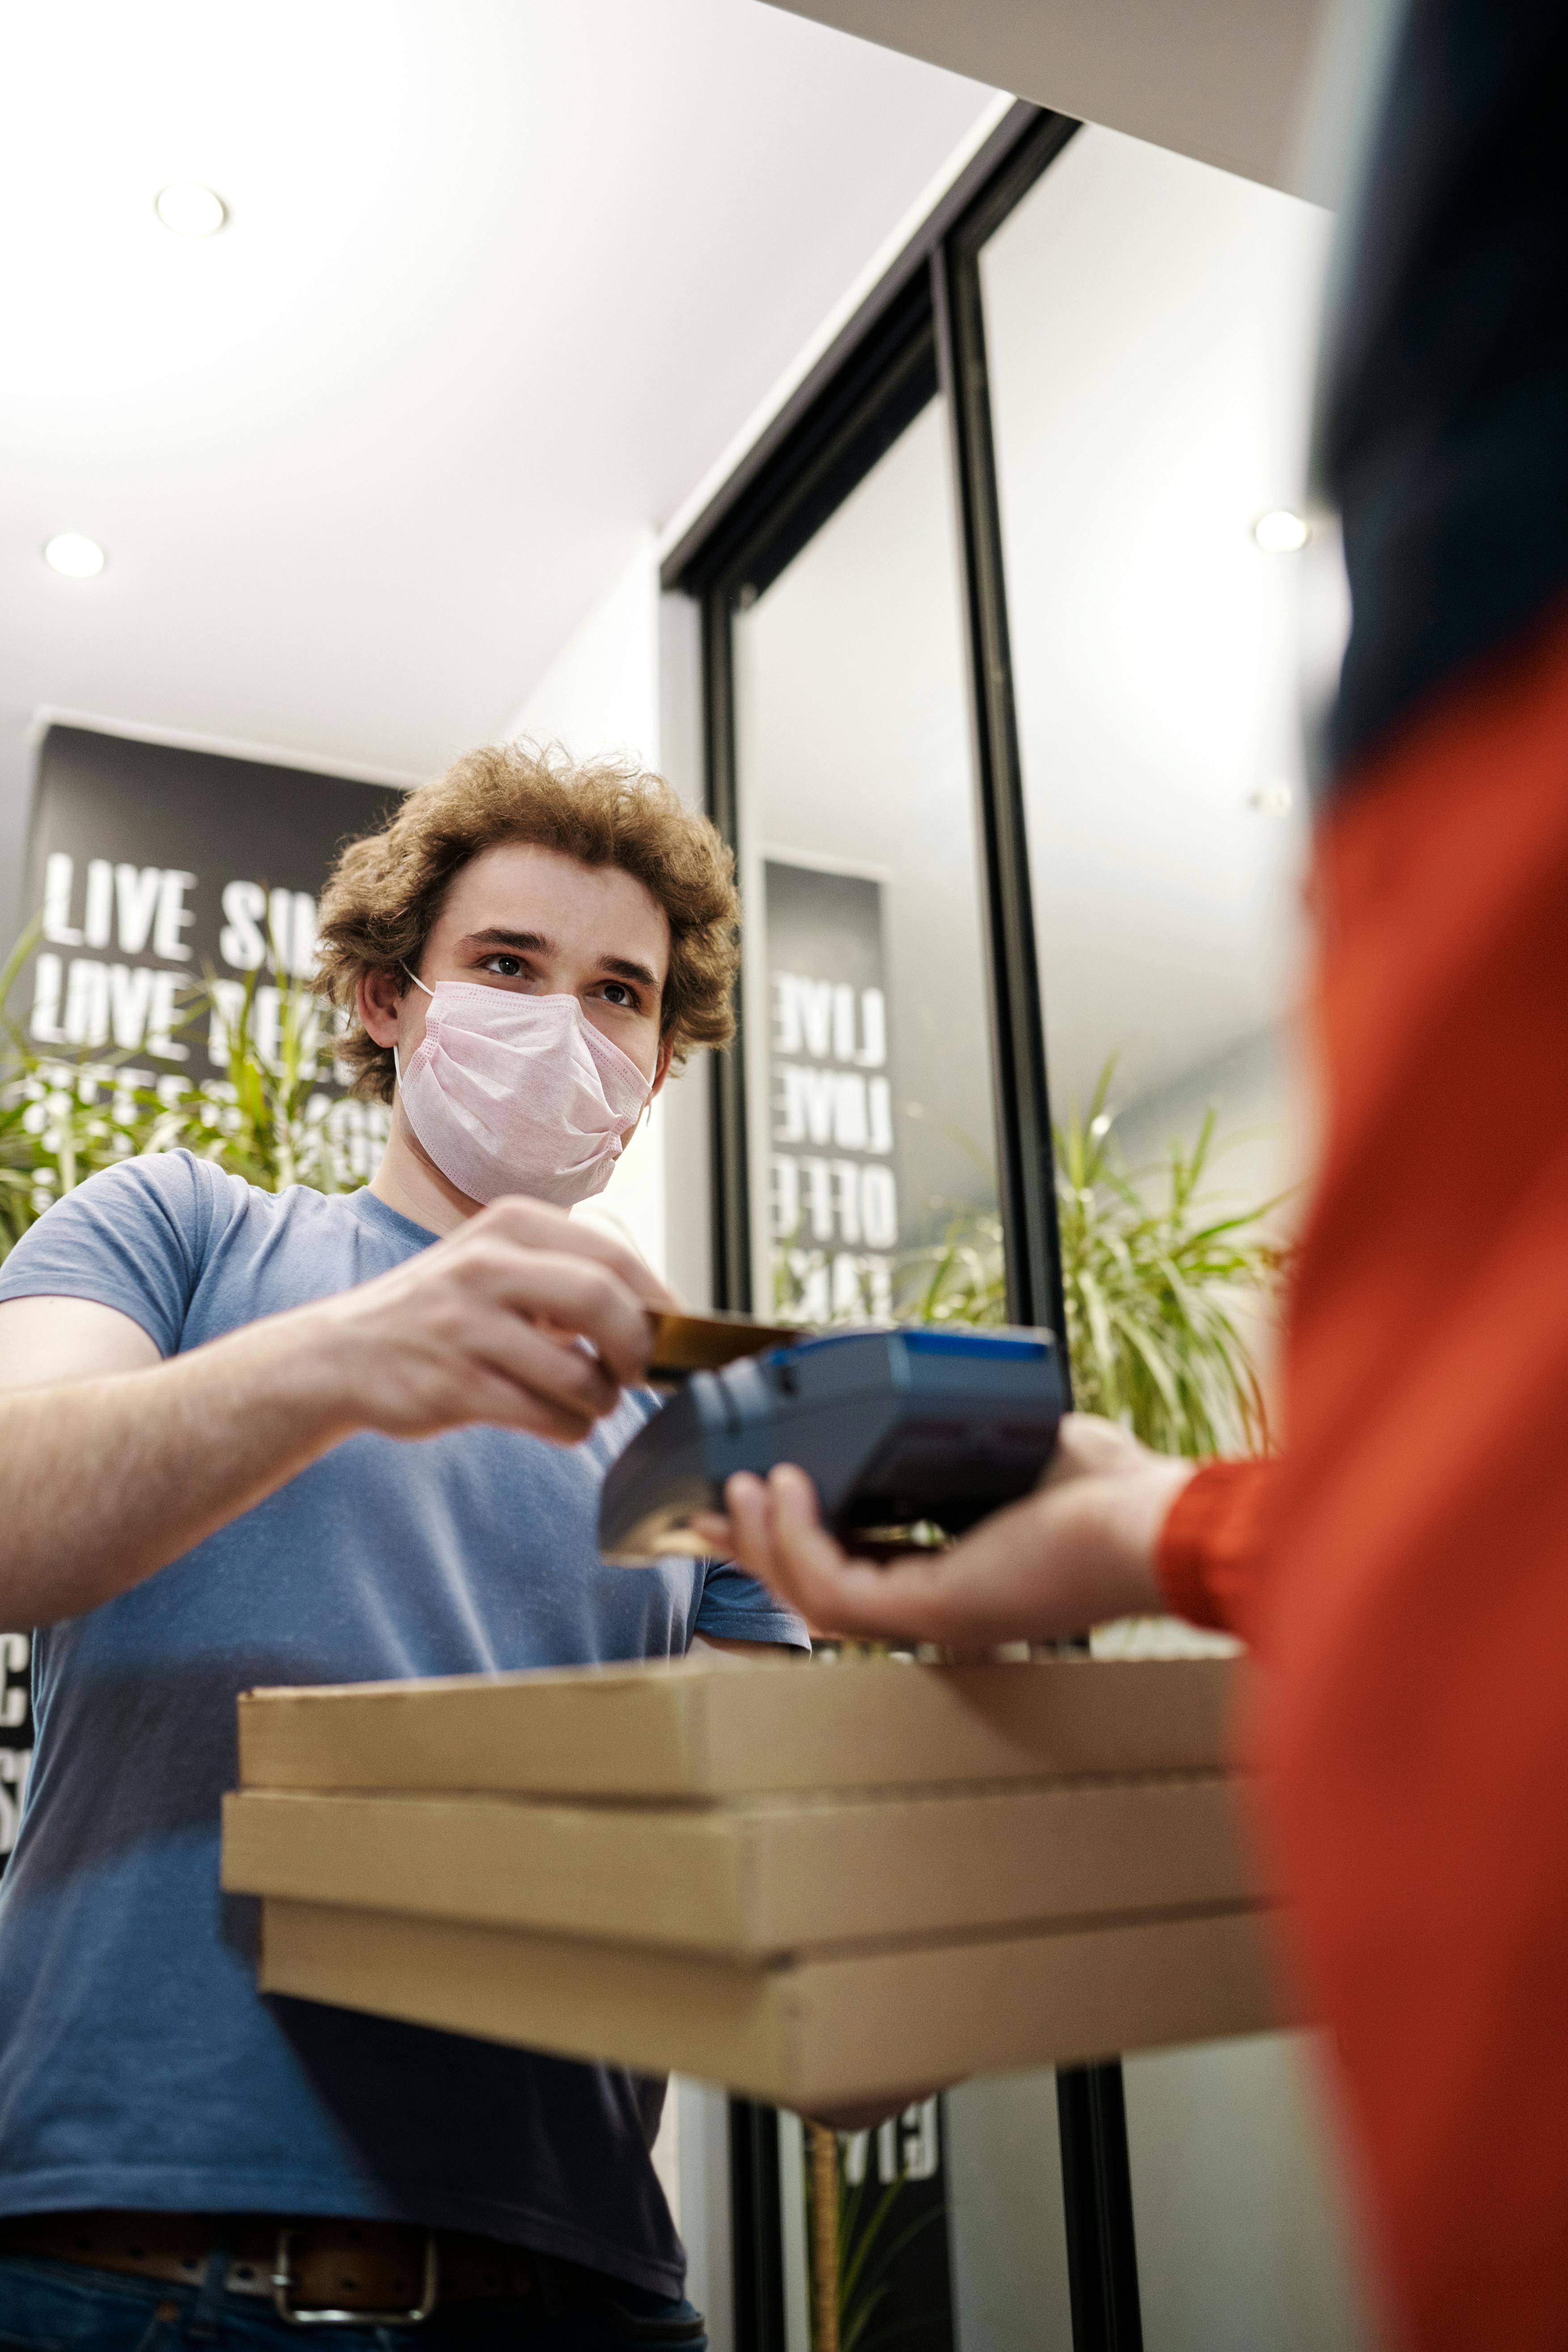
[[922, 1426]]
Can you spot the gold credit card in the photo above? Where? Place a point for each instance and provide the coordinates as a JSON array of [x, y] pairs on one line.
[[702, 1343]]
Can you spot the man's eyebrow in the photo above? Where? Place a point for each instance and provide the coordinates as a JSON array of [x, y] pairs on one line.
[[527, 942], [625, 969], [536, 943]]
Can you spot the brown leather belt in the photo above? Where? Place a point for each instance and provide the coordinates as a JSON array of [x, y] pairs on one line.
[[315, 2273]]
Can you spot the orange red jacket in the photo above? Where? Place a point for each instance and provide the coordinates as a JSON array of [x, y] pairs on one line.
[[1402, 1570]]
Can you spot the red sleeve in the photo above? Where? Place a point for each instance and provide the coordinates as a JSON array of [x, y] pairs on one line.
[[1210, 1545], [1408, 1722]]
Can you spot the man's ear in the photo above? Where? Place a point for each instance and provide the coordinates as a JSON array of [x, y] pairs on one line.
[[379, 999], [661, 1068]]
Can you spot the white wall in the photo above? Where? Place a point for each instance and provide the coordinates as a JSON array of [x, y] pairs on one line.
[[625, 683], [601, 691], [1008, 2240], [1244, 2240]]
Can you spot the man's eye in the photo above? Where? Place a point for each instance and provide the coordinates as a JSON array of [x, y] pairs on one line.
[[617, 992], [505, 967]]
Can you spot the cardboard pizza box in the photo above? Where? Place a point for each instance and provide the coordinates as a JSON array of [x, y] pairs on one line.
[[677, 1729], [764, 1876], [805, 2032]]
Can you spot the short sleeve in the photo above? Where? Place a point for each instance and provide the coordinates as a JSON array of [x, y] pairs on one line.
[[132, 1237], [735, 1608]]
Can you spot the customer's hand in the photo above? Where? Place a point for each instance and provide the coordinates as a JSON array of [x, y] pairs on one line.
[[490, 1325], [1078, 1551]]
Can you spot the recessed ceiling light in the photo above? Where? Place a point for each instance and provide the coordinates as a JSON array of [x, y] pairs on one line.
[[77, 556], [189, 209], [1281, 532], [1274, 799]]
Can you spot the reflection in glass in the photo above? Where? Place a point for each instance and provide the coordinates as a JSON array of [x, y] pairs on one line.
[[870, 1082], [1149, 327]]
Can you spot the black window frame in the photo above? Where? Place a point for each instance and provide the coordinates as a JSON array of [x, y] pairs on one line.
[[921, 333]]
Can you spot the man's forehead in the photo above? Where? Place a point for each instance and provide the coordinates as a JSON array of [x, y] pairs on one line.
[[543, 900]]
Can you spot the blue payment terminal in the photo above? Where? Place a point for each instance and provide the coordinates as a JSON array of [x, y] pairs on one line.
[[919, 1426]]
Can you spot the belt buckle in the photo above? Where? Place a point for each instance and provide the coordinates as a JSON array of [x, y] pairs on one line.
[[326, 2316]]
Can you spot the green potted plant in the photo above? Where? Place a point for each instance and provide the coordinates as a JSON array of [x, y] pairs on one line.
[[1155, 1280], [270, 1120]]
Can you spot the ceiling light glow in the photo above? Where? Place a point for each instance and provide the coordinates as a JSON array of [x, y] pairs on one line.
[[1281, 531], [1274, 799], [188, 209], [77, 556]]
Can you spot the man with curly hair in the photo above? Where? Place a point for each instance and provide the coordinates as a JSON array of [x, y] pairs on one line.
[[215, 1485]]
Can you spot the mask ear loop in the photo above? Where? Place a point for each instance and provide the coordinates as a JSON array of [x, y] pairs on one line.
[[647, 1110], [396, 1064]]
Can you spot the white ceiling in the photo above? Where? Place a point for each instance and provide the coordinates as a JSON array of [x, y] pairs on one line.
[[501, 279], [1225, 81]]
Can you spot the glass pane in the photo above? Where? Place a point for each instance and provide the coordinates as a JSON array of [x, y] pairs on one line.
[[871, 1124], [1150, 326], [868, 1081]]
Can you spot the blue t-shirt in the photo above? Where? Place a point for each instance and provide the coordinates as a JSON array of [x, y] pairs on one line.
[[139, 2067]]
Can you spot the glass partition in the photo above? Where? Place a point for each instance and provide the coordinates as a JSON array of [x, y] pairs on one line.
[[870, 1125], [1149, 326], [869, 1082], [1149, 330], [1079, 613]]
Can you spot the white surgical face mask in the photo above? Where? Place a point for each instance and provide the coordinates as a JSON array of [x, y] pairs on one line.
[[518, 1094]]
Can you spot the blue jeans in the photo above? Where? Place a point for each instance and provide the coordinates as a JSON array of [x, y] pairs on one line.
[[47, 2306]]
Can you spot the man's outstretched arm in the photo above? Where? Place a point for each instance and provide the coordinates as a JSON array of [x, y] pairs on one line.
[[123, 1461]]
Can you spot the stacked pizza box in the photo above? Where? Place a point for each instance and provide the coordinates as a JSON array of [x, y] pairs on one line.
[[815, 1884]]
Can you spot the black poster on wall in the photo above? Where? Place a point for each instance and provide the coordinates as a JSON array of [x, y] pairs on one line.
[[152, 868], [834, 1208], [895, 2281]]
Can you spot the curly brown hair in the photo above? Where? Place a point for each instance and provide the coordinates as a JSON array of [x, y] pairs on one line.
[[386, 891]]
